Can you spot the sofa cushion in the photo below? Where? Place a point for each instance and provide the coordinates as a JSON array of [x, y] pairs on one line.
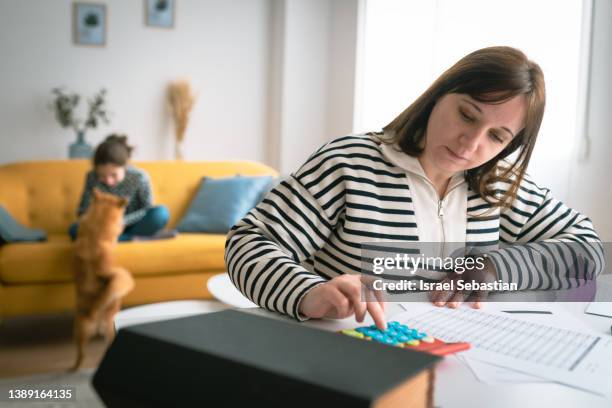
[[221, 203], [274, 181], [52, 261]]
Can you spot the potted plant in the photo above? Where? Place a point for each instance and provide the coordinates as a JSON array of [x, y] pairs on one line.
[[64, 106]]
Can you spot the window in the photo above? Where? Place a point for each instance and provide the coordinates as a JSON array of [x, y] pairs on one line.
[[406, 44]]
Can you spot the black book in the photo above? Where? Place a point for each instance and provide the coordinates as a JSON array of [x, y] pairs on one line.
[[235, 358]]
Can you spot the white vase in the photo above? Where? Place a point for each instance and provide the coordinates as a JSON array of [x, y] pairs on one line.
[[178, 151]]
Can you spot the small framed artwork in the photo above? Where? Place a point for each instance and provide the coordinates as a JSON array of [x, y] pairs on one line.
[[159, 13], [89, 24]]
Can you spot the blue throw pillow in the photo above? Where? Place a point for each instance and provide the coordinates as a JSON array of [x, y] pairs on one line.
[[12, 231], [220, 203], [273, 183]]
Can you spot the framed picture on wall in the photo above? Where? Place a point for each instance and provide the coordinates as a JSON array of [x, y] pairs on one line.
[[159, 13], [89, 24]]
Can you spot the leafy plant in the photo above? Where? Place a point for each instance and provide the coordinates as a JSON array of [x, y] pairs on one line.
[[65, 104], [161, 5], [91, 20]]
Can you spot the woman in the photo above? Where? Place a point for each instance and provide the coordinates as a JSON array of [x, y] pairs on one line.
[[440, 172], [112, 174]]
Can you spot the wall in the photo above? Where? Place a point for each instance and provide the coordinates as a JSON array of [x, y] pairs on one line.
[[275, 80], [222, 46], [342, 66], [312, 77], [304, 80], [590, 181]]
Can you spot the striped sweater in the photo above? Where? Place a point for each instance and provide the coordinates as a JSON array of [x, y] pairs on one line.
[[310, 228]]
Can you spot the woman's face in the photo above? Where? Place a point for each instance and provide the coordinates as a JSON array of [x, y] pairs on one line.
[[463, 133], [110, 174]]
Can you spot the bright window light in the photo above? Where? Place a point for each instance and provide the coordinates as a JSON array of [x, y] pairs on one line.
[[406, 44]]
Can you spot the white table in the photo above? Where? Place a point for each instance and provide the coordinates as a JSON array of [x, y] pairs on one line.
[[219, 285], [456, 386], [165, 311]]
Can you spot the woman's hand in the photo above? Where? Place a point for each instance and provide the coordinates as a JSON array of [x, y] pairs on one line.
[[341, 297], [454, 298]]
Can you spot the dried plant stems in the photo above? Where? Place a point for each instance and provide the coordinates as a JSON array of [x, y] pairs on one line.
[[182, 99]]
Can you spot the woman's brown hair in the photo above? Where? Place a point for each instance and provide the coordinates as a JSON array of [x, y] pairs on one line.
[[489, 75], [113, 150]]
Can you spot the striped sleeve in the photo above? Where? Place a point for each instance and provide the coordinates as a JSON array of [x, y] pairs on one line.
[[142, 200], [265, 250], [268, 254], [90, 181], [548, 245]]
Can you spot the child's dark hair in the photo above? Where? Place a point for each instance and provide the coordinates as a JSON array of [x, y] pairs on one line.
[[113, 150]]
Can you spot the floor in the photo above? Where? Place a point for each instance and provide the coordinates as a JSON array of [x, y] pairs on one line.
[[42, 344]]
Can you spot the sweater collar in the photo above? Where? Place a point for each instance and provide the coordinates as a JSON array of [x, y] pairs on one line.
[[412, 164]]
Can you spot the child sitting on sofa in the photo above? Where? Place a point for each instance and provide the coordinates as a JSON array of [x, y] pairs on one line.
[[111, 173]]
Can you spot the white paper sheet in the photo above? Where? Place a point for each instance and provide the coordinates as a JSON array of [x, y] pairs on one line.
[[579, 358], [600, 309], [496, 375]]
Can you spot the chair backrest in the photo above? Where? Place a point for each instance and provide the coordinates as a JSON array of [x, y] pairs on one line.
[[46, 194]]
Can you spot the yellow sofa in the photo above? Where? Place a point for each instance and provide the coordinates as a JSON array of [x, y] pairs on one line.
[[37, 278]]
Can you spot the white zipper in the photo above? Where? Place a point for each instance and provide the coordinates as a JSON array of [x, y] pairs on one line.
[[399, 160], [440, 208], [441, 218]]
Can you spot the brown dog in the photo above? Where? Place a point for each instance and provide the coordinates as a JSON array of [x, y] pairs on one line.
[[100, 284]]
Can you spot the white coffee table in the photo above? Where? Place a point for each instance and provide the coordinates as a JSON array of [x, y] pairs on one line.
[[165, 311], [220, 286]]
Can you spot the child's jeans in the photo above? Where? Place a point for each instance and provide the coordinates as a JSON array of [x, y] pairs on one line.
[[154, 220]]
